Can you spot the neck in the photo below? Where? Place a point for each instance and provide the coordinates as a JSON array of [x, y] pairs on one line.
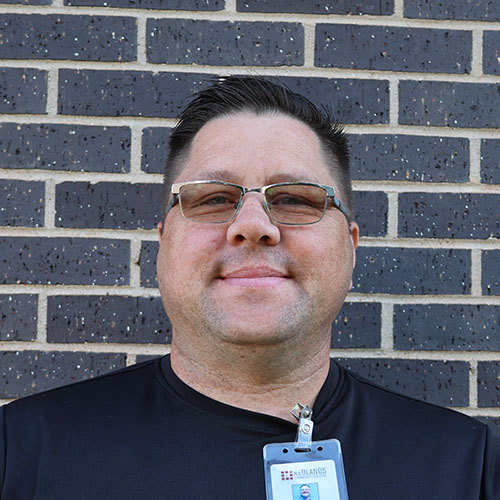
[[263, 379]]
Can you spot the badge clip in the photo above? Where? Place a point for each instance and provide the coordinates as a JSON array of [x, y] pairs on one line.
[[303, 414]]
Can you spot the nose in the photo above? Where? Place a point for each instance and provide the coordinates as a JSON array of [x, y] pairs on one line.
[[252, 225]]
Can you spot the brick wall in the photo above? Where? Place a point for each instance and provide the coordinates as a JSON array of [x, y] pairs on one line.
[[89, 92]]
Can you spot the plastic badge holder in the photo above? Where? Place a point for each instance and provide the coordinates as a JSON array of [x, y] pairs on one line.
[[305, 469], [321, 469]]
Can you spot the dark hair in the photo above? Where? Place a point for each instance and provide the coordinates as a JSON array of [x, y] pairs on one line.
[[234, 94]]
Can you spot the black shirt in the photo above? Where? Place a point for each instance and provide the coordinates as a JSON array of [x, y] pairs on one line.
[[141, 433]]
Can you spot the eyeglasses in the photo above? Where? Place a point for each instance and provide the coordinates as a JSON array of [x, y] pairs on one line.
[[291, 203]]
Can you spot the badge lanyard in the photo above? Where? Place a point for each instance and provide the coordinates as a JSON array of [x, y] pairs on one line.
[[304, 469]]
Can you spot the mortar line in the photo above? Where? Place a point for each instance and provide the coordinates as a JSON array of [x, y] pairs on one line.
[[135, 270], [52, 91], [473, 398], [50, 204], [477, 52], [387, 327], [392, 215], [141, 40], [476, 272], [475, 160], [41, 325], [309, 41]]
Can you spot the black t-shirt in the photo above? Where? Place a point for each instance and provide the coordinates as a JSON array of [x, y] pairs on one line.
[[141, 433]]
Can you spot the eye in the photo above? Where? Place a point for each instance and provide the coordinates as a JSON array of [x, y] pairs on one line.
[[290, 200], [216, 200]]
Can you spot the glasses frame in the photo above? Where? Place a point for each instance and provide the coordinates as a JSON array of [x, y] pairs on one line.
[[330, 194]]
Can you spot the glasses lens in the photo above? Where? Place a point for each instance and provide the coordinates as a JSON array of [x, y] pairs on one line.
[[296, 203], [209, 202]]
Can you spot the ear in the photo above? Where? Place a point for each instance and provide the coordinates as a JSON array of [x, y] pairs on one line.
[[354, 235], [160, 229]]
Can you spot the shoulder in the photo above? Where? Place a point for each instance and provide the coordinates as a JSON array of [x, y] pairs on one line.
[[402, 412], [109, 390]]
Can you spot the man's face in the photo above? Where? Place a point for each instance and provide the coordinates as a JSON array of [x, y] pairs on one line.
[[250, 281], [305, 492]]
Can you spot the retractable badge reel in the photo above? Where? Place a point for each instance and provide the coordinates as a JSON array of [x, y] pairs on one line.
[[304, 469]]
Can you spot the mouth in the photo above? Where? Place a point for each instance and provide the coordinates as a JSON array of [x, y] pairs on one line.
[[254, 277]]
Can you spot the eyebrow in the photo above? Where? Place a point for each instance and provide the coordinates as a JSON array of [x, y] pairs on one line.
[[228, 176]]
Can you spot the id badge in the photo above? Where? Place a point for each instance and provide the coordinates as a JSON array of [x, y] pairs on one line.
[[305, 469]]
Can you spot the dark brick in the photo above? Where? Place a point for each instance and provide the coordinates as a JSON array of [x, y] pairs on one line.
[[491, 52], [184, 41], [18, 316], [27, 2], [64, 261], [409, 158], [449, 215], [154, 4], [393, 48], [55, 36], [28, 372], [112, 205], [452, 327], [22, 203], [357, 326], [493, 422], [370, 208], [449, 104], [373, 7], [126, 93], [488, 383], [480, 10], [147, 262], [412, 271], [65, 147], [23, 90], [350, 101], [438, 382], [155, 149], [490, 163], [491, 272], [107, 319]]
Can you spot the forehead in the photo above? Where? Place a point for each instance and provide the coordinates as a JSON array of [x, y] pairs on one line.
[[256, 149]]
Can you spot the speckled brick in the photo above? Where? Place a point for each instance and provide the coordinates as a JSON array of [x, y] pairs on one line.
[[27, 2], [153, 4], [126, 93], [22, 203], [480, 10], [147, 263], [64, 261], [350, 101], [438, 382], [449, 104], [490, 161], [242, 43], [491, 272], [28, 372], [391, 48], [18, 316], [409, 158], [491, 52], [65, 147], [449, 215], [357, 326], [373, 7], [450, 327], [155, 149], [493, 422], [81, 38], [107, 319], [370, 212], [112, 205], [488, 383], [412, 271], [23, 90]]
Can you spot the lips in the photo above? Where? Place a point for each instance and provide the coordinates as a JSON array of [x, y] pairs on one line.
[[254, 277]]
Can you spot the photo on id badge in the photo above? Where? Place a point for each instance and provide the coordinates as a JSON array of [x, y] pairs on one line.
[[306, 491]]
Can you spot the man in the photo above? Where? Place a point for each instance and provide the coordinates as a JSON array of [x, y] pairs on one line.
[[305, 492], [257, 249]]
